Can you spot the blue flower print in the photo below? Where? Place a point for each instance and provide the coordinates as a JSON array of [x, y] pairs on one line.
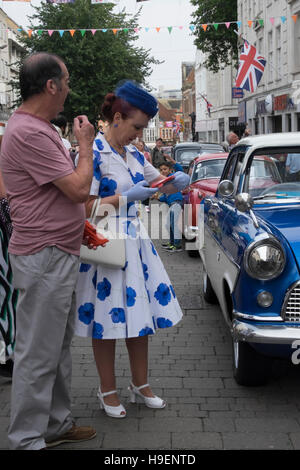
[[84, 268], [173, 292], [137, 177], [139, 156], [145, 269], [153, 249], [125, 266], [146, 331], [97, 330], [130, 296], [163, 294], [163, 322], [99, 144], [117, 315], [107, 187], [130, 228], [97, 171], [104, 289], [94, 280], [86, 313]]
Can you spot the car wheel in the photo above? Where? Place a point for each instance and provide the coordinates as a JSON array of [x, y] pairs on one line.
[[208, 292], [249, 367]]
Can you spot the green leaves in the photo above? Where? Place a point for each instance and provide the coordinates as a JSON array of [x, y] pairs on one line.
[[96, 62], [219, 43]]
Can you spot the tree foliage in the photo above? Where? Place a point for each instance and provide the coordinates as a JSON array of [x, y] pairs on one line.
[[96, 63], [218, 43]]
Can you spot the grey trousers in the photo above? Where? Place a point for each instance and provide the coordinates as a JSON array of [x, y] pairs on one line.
[[40, 402]]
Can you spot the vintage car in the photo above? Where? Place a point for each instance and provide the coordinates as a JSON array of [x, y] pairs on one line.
[[251, 252], [205, 171], [185, 152]]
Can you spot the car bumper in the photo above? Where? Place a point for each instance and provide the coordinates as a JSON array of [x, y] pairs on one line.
[[264, 333]]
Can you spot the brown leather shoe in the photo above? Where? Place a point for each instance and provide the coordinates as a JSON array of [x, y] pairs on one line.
[[75, 434]]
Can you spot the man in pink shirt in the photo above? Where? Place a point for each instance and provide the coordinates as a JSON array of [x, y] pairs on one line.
[[46, 195]]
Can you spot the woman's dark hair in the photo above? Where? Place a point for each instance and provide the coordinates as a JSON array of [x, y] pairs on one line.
[[36, 70], [112, 105]]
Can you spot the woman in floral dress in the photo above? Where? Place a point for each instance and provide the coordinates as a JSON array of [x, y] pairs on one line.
[[131, 302]]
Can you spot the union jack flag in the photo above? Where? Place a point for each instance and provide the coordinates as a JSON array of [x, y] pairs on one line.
[[251, 68]]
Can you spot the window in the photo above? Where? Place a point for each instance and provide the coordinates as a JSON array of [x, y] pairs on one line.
[[278, 52]]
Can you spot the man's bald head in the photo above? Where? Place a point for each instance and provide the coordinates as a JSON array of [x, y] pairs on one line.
[[36, 70]]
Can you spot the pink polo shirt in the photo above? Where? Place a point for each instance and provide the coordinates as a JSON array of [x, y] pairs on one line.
[[32, 157]]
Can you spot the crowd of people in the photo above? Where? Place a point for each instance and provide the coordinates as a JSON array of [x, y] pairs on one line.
[[54, 296]]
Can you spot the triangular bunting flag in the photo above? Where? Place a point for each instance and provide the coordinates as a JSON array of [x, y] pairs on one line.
[[283, 19], [157, 29], [61, 32], [216, 25], [136, 30], [239, 23], [272, 19], [82, 32], [180, 27], [204, 26], [261, 22], [125, 30], [170, 29], [72, 32], [40, 32], [30, 32], [295, 17], [115, 31], [250, 23], [50, 32], [104, 30], [93, 31], [146, 29], [227, 25], [192, 27]]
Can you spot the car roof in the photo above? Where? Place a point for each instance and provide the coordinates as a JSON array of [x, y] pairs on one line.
[[271, 140], [188, 144], [210, 156]]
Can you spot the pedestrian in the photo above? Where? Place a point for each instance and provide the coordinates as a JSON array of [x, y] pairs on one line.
[[133, 301], [157, 155], [292, 166], [175, 203], [140, 145], [8, 295], [232, 139], [46, 196]]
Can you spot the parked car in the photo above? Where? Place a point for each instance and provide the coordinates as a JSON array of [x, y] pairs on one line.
[[205, 170], [251, 252], [184, 152]]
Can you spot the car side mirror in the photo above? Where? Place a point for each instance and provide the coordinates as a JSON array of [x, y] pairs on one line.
[[226, 188], [243, 202]]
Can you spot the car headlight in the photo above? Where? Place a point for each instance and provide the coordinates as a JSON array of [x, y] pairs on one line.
[[264, 259]]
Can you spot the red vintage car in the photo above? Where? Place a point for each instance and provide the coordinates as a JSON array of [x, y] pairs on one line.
[[205, 171]]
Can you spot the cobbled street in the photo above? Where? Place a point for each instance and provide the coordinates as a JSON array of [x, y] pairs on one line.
[[190, 366]]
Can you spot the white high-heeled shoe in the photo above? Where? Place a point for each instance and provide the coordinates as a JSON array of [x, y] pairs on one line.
[[151, 402], [112, 411]]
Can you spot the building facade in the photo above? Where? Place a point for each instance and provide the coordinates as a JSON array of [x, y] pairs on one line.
[[214, 122], [188, 101], [10, 53], [275, 104]]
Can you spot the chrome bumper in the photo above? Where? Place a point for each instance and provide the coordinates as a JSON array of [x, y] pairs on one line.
[[267, 334]]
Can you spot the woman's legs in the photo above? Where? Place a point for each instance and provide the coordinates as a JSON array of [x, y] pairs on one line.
[[104, 353], [138, 357]]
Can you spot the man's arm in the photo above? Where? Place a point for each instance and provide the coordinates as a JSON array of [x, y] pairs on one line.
[[76, 186]]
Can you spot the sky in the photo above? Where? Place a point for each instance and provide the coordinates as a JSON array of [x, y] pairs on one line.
[[174, 48]]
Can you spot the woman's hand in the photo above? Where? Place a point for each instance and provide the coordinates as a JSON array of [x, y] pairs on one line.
[[139, 192]]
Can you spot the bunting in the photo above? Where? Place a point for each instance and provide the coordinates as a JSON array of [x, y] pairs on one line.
[[171, 29]]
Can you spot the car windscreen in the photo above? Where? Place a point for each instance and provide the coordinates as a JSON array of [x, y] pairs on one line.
[[274, 173], [208, 169], [184, 156]]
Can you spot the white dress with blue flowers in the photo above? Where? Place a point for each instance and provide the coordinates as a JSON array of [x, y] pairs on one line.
[[137, 299]]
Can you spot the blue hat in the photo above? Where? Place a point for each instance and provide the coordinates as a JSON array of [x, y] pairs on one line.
[[135, 95]]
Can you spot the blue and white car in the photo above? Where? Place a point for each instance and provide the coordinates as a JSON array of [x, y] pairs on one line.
[[251, 251]]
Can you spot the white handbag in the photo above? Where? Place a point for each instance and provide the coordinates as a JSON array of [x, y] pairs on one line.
[[112, 254]]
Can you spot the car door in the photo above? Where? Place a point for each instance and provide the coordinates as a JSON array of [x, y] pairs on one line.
[[221, 218]]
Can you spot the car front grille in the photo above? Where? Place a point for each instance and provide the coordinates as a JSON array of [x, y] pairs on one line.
[[291, 308]]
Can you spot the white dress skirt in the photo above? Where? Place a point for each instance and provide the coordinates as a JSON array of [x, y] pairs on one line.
[[138, 298]]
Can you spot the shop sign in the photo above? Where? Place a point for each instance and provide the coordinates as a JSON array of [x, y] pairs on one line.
[[237, 92], [280, 102]]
